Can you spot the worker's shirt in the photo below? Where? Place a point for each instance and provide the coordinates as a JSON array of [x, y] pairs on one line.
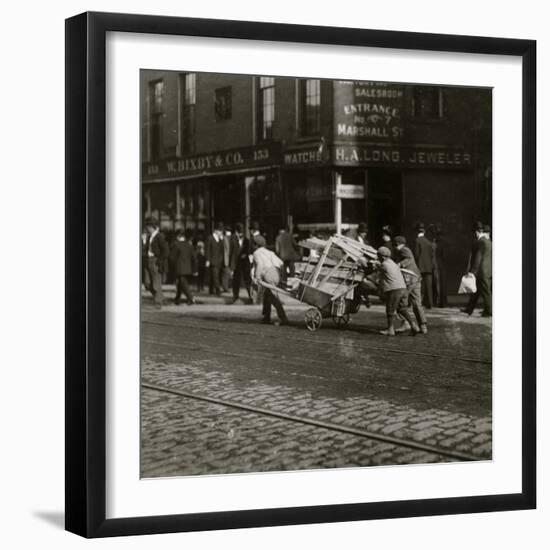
[[390, 276], [264, 260]]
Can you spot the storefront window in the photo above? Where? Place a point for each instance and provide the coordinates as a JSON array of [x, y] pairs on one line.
[[163, 204], [310, 199]]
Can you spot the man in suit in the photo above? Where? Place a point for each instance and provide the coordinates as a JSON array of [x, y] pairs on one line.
[[405, 260], [184, 263], [226, 273], [214, 252], [156, 251], [482, 268], [287, 249], [424, 256], [239, 262]]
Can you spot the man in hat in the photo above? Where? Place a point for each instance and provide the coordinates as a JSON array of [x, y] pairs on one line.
[[362, 233], [184, 263], [239, 262], [405, 258], [267, 267], [287, 249], [387, 235], [477, 229], [424, 256], [394, 292], [482, 268], [156, 252], [214, 252]]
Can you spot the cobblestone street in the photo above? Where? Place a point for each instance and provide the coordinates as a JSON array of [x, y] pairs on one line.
[[222, 393]]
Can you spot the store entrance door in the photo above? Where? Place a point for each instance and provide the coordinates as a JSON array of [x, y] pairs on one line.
[[384, 202], [265, 204]]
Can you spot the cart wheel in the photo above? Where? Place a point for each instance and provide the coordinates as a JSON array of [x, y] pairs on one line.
[[313, 319], [341, 321]]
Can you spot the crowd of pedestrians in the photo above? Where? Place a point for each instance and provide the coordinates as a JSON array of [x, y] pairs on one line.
[[223, 261], [227, 260]]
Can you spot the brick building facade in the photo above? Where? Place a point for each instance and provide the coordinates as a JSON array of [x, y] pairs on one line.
[[316, 155]]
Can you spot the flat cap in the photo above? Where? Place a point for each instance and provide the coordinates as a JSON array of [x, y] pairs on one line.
[[384, 251], [400, 240], [259, 241]]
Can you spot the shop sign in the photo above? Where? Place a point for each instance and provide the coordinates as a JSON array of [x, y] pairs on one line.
[[349, 191], [222, 161], [405, 156], [367, 111], [305, 156]]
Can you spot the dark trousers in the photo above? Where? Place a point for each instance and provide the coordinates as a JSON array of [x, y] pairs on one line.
[[182, 285], [273, 277], [271, 299], [415, 299], [201, 276], [427, 290], [440, 287], [155, 278], [215, 282], [242, 275], [225, 275], [484, 289], [397, 302]]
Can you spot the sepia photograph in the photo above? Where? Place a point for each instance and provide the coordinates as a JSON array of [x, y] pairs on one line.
[[316, 273]]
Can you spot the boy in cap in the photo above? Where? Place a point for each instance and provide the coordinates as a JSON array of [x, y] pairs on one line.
[[394, 291], [406, 260], [267, 267]]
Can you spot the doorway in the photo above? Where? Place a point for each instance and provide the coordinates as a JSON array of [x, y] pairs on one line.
[[384, 202]]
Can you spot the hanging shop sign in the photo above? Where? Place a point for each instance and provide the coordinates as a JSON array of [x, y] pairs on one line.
[[349, 191], [221, 161]]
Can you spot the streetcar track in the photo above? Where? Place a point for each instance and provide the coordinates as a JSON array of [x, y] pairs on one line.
[[366, 434], [354, 345], [260, 357]]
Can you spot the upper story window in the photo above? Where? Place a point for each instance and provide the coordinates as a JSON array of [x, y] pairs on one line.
[[266, 108], [222, 103], [156, 114], [427, 102], [310, 107], [188, 95]]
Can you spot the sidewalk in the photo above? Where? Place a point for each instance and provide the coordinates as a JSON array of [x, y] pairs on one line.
[[169, 291], [204, 298]]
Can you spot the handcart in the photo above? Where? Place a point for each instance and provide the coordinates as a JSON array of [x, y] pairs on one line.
[[327, 279]]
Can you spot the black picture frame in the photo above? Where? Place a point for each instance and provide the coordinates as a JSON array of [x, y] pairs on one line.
[[85, 273]]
